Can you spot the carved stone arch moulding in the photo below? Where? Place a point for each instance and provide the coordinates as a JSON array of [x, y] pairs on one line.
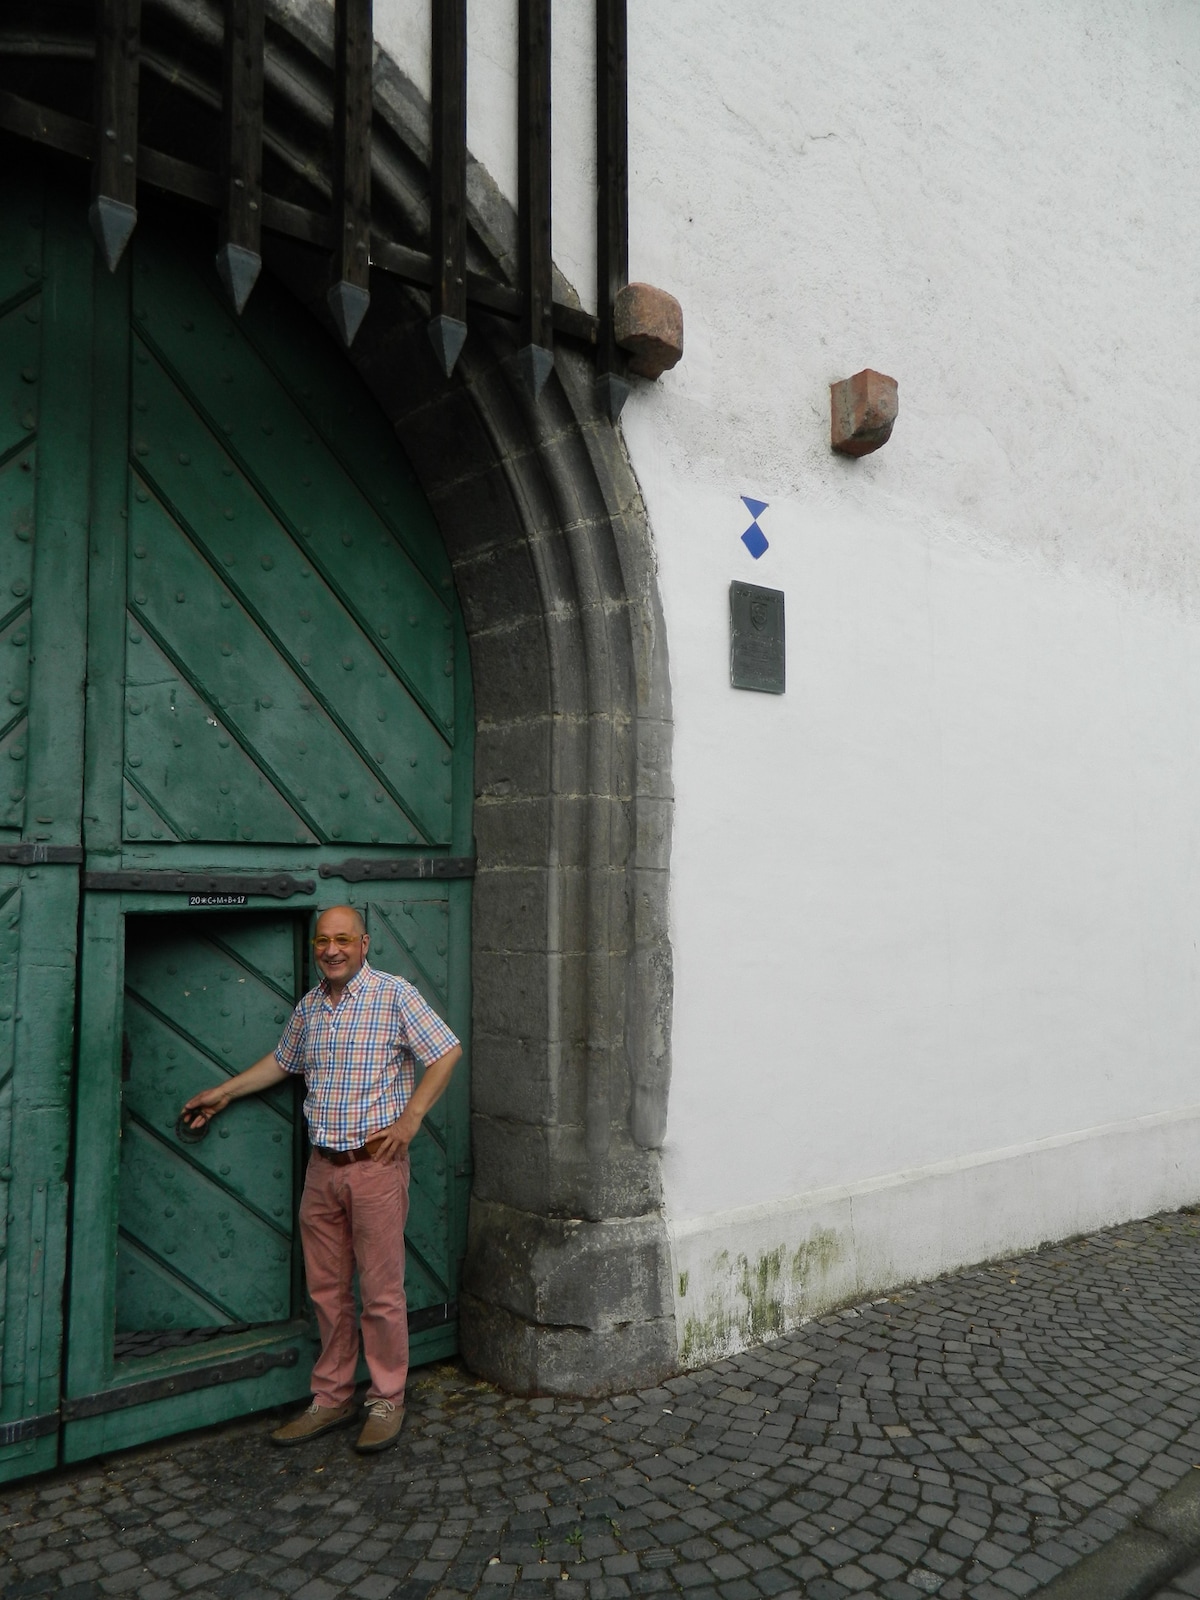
[[566, 1285]]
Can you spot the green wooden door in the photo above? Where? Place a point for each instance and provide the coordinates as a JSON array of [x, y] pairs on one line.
[[45, 318], [278, 717]]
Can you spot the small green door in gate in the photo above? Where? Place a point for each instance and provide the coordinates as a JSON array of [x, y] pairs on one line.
[[192, 1217], [278, 717]]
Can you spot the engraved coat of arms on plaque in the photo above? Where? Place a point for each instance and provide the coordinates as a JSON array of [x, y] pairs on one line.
[[756, 641]]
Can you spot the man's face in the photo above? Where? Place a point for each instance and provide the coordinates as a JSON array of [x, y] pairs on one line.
[[340, 945]]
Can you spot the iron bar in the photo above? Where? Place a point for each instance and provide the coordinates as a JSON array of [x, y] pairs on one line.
[[74, 137], [534, 193], [364, 869], [612, 195], [113, 212], [171, 1384], [448, 182], [153, 880], [239, 253], [436, 1316], [37, 855], [350, 289], [23, 1428]]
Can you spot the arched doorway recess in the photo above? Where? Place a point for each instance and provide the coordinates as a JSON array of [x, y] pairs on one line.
[[566, 1282]]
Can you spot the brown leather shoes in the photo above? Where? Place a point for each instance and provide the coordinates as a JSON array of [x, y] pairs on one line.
[[382, 1427], [317, 1419]]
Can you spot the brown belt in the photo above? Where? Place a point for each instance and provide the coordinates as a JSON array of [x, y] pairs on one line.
[[344, 1158]]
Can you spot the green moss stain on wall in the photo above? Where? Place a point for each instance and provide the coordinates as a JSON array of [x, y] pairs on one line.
[[817, 1255], [762, 1289], [751, 1300]]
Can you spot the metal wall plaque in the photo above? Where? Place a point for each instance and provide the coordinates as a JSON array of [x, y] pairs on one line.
[[756, 658]]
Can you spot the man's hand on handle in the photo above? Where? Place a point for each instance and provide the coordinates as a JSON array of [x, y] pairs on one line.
[[203, 1107]]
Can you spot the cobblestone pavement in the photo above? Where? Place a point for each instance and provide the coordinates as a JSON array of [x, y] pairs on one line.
[[973, 1436]]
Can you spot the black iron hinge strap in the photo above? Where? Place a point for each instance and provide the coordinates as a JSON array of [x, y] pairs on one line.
[[432, 1316], [28, 1428], [363, 869], [36, 855], [279, 885], [166, 1388]]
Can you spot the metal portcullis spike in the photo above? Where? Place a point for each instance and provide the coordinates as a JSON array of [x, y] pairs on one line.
[[447, 335], [238, 270], [112, 223], [613, 391], [348, 306], [536, 363]]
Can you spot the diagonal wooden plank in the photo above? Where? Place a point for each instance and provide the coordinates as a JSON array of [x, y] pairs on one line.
[[150, 1295], [144, 816], [219, 1174], [221, 1248], [278, 591], [186, 761], [189, 1047], [254, 945], [269, 708], [354, 437], [418, 957], [275, 447]]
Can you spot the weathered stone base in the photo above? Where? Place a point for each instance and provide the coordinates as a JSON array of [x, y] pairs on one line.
[[564, 1306]]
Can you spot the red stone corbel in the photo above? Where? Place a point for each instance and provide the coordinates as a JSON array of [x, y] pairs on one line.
[[862, 412], [648, 323]]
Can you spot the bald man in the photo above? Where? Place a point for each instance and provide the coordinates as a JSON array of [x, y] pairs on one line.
[[357, 1039]]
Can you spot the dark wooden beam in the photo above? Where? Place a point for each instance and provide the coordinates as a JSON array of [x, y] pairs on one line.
[[412, 266], [239, 252], [612, 195], [448, 182], [40, 124], [533, 192], [113, 212], [350, 289]]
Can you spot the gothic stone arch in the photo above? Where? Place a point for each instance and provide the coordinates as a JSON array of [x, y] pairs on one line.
[[567, 1279], [566, 1285]]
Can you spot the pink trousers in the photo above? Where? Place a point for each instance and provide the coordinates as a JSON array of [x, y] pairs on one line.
[[355, 1215]]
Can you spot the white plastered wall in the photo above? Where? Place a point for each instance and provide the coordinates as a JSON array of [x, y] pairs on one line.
[[935, 910]]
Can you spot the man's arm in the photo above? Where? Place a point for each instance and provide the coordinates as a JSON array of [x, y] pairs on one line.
[[396, 1139], [264, 1074]]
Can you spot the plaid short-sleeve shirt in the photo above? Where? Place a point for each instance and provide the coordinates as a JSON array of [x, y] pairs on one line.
[[359, 1058]]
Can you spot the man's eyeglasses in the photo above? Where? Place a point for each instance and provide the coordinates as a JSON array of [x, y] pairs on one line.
[[340, 941]]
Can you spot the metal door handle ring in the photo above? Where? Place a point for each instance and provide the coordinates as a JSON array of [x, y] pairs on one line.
[[186, 1133]]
